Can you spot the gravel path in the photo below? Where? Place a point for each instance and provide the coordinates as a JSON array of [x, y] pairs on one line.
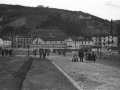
[[90, 76]]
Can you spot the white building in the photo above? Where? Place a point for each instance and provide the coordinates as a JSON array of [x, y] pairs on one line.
[[61, 43], [48, 42], [1, 43], [78, 43], [105, 40], [6, 42]]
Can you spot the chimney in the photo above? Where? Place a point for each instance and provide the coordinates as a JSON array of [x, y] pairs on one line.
[[111, 32]]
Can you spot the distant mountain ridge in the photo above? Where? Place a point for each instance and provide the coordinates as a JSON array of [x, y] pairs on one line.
[[35, 19]]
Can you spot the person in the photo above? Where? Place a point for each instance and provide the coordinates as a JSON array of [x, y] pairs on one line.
[[48, 52], [64, 53], [3, 52], [88, 55], [44, 53], [58, 52], [6, 52], [41, 53], [75, 56], [81, 55], [10, 52], [93, 56], [35, 52]]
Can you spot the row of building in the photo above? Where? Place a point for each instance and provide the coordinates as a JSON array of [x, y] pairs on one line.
[[58, 42]]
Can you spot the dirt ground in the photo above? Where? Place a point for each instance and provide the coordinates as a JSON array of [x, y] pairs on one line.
[[13, 71], [104, 74]]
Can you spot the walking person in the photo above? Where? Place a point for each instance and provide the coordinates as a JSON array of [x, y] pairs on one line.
[[90, 56], [48, 52], [3, 52], [93, 56], [10, 52], [41, 53], [44, 53], [87, 55], [6, 52], [64, 53], [35, 52], [75, 56]]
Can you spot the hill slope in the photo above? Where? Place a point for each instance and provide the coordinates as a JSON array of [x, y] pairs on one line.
[[35, 19]]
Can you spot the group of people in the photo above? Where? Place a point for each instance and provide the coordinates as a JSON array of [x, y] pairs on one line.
[[89, 55], [6, 52], [62, 51], [42, 52]]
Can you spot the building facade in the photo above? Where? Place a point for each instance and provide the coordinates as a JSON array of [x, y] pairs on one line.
[[22, 41], [1, 43], [48, 43], [6, 42], [78, 43], [105, 40]]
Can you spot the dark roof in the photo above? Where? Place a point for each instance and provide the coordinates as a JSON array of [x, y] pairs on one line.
[[53, 38], [76, 38], [6, 38], [103, 35]]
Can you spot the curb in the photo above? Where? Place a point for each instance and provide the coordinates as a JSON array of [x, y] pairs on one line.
[[68, 77]]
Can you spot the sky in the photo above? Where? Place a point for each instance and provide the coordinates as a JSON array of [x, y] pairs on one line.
[[106, 9]]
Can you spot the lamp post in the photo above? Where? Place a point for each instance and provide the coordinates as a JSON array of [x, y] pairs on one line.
[[13, 41], [17, 23]]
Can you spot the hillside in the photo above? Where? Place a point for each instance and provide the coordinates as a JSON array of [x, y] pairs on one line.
[[39, 20], [116, 22]]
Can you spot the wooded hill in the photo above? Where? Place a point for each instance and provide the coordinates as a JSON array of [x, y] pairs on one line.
[[45, 20]]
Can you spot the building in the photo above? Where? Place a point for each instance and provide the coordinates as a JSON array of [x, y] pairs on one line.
[[105, 40], [22, 41], [19, 41], [79, 42], [53, 42], [1, 43], [6, 42]]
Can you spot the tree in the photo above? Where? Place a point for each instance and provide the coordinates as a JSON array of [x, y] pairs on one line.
[[18, 23]]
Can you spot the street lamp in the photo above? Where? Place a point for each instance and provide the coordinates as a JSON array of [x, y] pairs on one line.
[[17, 23]]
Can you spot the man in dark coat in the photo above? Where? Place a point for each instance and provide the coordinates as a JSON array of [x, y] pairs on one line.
[[44, 53], [10, 52], [6, 52], [41, 53], [81, 55], [3, 52], [64, 53], [93, 56], [35, 52]]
